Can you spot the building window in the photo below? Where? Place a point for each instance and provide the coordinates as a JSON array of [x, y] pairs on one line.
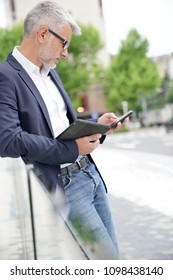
[[101, 7], [13, 9]]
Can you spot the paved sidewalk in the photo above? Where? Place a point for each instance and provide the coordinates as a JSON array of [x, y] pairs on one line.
[[143, 233]]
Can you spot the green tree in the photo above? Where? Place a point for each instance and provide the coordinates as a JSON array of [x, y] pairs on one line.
[[8, 39], [131, 75], [79, 70], [82, 68], [169, 93], [160, 97]]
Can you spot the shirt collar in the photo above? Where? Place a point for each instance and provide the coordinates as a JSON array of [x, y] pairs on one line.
[[29, 67]]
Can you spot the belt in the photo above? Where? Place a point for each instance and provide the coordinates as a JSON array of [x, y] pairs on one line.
[[77, 165]]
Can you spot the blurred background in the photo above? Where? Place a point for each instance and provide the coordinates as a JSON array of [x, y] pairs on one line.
[[122, 61]]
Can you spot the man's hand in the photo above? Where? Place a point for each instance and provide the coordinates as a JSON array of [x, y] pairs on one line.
[[107, 118], [88, 144], [110, 118]]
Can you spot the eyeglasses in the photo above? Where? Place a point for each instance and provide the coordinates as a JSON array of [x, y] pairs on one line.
[[65, 42]]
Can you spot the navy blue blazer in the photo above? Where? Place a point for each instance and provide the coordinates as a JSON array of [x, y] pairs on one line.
[[25, 126]]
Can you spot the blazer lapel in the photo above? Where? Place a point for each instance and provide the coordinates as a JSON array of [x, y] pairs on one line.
[[30, 84], [38, 97]]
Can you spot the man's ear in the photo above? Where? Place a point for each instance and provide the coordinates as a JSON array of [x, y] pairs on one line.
[[42, 33]]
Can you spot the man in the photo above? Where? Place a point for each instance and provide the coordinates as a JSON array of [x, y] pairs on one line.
[[35, 109]]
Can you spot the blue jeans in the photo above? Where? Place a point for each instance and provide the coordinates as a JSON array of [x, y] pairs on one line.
[[90, 215]]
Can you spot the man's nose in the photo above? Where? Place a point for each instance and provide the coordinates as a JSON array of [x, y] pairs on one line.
[[64, 53]]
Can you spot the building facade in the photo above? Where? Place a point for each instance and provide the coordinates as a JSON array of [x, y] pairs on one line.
[[165, 65]]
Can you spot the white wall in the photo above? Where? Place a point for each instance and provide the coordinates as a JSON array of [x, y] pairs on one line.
[[4, 14]]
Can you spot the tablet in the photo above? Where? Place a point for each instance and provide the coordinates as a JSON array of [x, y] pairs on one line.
[[81, 128]]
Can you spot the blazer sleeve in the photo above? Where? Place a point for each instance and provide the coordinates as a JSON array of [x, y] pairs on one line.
[[16, 142]]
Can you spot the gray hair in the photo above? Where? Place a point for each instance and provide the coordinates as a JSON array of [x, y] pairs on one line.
[[51, 14]]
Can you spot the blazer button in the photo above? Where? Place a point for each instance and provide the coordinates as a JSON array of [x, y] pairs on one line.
[[58, 176]]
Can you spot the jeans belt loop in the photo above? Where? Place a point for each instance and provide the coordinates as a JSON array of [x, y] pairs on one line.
[[79, 164], [69, 172]]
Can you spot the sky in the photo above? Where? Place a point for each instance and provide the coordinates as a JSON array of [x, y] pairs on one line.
[[153, 19]]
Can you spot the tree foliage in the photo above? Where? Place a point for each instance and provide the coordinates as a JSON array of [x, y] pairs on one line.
[[131, 74], [79, 70], [82, 67], [8, 39], [169, 93]]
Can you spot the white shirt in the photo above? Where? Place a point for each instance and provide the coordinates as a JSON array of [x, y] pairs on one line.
[[54, 102]]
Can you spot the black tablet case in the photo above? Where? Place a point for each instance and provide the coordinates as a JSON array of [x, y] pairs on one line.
[[81, 128]]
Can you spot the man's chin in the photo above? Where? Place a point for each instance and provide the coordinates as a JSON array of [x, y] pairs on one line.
[[50, 66]]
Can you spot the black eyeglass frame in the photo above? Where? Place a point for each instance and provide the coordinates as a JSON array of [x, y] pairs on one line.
[[64, 41]]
